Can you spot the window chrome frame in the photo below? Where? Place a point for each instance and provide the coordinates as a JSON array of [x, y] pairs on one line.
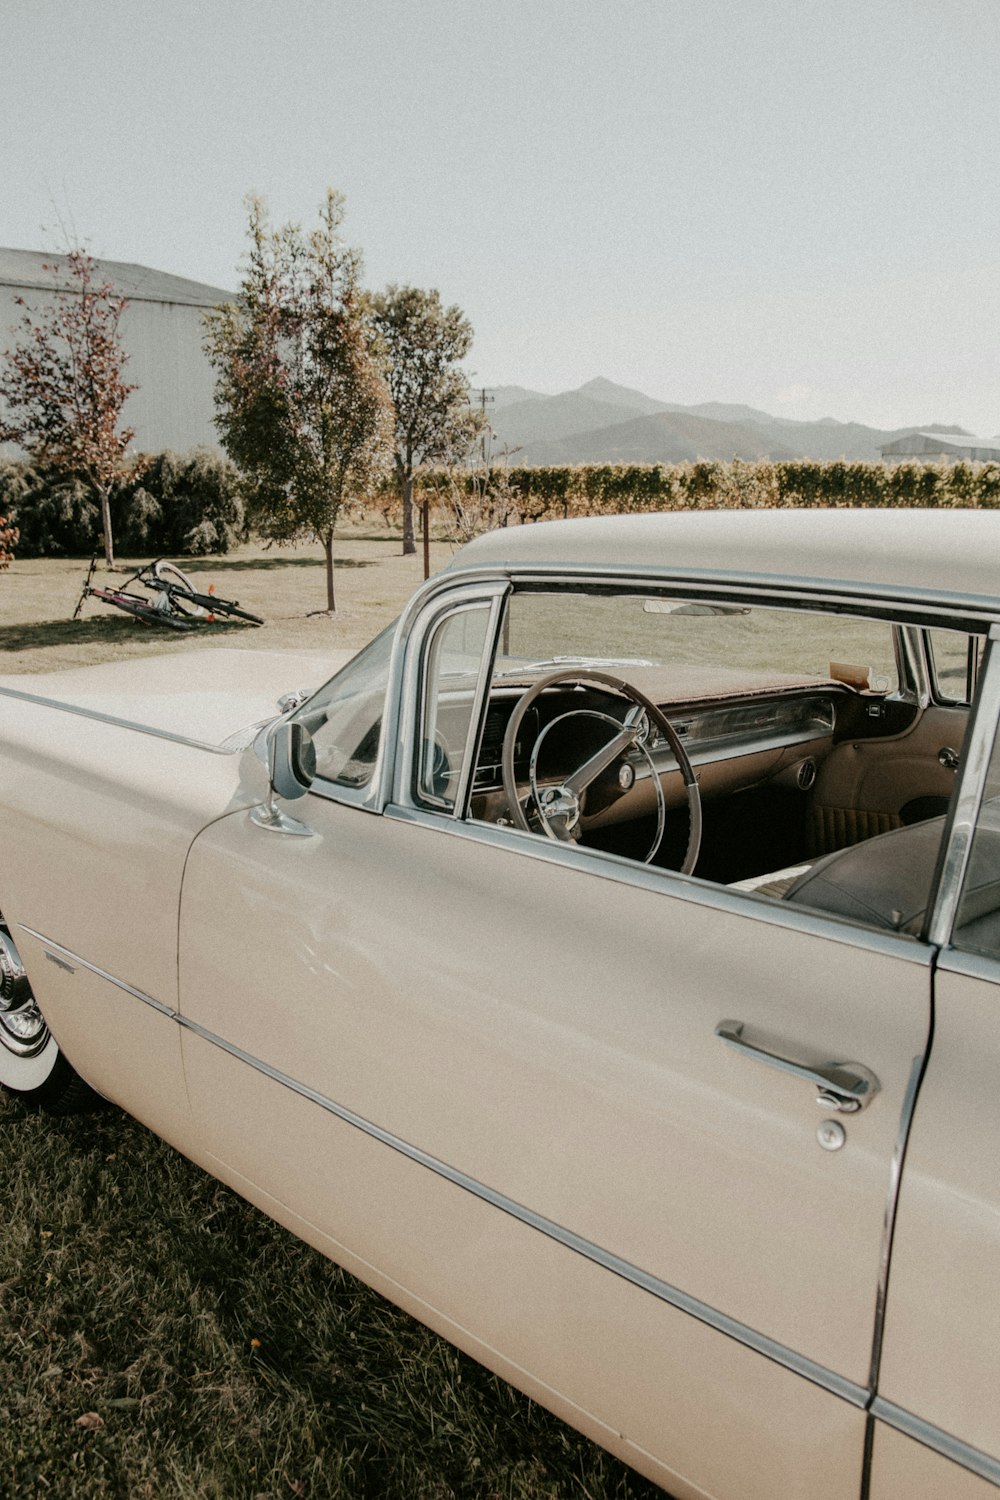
[[429, 698], [399, 779], [956, 845], [912, 666], [903, 607]]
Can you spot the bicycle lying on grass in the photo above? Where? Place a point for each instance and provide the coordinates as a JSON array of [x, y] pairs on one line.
[[172, 600]]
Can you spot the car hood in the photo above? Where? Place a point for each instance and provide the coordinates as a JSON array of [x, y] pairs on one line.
[[208, 695]]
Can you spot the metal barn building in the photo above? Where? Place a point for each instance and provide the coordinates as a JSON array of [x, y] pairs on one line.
[[941, 447], [161, 330]]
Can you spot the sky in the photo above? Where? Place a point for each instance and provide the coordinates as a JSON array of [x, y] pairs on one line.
[[790, 204]]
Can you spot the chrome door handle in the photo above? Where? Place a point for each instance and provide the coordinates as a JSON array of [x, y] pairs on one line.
[[844, 1086]]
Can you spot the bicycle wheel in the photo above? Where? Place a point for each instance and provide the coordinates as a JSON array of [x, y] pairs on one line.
[[179, 589]]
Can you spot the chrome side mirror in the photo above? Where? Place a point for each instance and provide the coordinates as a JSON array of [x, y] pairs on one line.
[[291, 769], [291, 759]]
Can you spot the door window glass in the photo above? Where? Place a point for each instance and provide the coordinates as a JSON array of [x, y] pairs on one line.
[[716, 738], [954, 661], [345, 715], [452, 663], [977, 929]]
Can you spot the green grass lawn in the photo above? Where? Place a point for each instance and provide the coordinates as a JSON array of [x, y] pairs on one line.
[[159, 1337]]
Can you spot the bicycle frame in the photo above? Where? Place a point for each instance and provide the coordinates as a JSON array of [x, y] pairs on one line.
[[171, 604]]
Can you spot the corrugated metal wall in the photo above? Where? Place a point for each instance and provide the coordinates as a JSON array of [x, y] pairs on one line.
[[173, 406]]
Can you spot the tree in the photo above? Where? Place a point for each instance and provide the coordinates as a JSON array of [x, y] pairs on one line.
[[63, 384], [479, 498], [421, 343], [301, 402], [8, 541]]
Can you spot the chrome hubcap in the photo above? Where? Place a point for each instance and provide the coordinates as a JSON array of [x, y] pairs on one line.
[[22, 1025]]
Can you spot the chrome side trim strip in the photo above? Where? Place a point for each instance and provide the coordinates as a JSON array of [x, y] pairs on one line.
[[92, 713], [57, 952], [855, 1394], [780, 1354], [974, 965], [670, 883], [935, 1438]]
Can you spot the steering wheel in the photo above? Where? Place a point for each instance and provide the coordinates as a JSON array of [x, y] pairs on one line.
[[559, 807]]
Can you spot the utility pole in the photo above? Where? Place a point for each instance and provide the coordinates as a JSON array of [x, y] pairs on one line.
[[487, 429]]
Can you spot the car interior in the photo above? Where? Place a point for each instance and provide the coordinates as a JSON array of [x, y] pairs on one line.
[[824, 748], [787, 753]]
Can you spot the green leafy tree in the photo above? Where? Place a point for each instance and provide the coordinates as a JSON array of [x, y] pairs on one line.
[[62, 388], [301, 403], [421, 343]]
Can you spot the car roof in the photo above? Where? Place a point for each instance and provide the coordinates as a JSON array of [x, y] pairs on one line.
[[921, 552]]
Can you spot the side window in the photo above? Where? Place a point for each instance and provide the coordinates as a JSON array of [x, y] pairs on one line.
[[452, 663], [977, 929], [345, 715], [752, 746], [954, 659]]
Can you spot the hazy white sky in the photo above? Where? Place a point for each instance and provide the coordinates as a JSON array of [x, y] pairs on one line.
[[792, 203]]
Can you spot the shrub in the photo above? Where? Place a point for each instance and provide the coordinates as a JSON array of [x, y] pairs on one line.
[[57, 515], [168, 505], [184, 506]]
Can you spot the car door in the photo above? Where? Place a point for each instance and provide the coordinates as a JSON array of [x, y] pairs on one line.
[[938, 1420], [487, 1072]]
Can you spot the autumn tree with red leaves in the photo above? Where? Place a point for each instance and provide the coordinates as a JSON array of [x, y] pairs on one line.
[[62, 391], [8, 541]]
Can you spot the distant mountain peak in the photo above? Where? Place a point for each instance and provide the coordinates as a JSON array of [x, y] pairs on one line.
[[598, 384], [602, 389], [603, 422]]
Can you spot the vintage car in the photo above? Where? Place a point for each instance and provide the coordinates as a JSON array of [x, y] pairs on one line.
[[604, 965]]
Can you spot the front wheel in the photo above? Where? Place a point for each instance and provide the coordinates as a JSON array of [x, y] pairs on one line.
[[31, 1066], [178, 586]]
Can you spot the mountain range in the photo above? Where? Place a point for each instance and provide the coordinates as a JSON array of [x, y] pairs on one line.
[[606, 423]]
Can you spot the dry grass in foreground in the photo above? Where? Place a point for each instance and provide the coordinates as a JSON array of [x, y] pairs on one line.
[[285, 585], [160, 1339]]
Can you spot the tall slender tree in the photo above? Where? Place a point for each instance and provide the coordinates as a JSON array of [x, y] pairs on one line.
[[301, 402], [422, 342], [62, 388]]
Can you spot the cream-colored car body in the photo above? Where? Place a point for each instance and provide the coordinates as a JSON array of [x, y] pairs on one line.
[[489, 1071]]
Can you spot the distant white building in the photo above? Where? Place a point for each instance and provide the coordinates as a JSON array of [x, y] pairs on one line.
[[161, 330], [942, 447]]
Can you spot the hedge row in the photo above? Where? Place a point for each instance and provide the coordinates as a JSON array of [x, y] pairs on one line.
[[169, 505], [621, 489], [184, 506]]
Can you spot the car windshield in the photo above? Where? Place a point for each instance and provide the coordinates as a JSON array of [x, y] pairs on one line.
[[693, 638]]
